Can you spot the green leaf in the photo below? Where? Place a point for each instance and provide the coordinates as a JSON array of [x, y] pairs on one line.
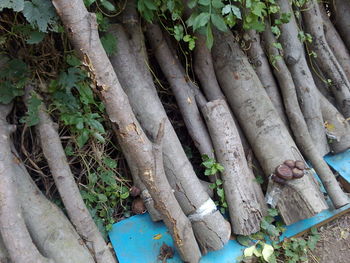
[[192, 3], [272, 212], [218, 22], [267, 252], [217, 4], [179, 32], [32, 115], [201, 20], [109, 43], [40, 14], [69, 150], [16, 5], [124, 195], [35, 37], [258, 9], [110, 162], [209, 163], [218, 182], [244, 240], [102, 198], [220, 192], [210, 38], [89, 2], [204, 2], [150, 5], [276, 31], [83, 138], [108, 5], [277, 45], [73, 61], [248, 252]]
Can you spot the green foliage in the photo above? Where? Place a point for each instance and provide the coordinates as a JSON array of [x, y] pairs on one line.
[[16, 5], [75, 101], [266, 246], [103, 193], [31, 118], [13, 78], [212, 168], [109, 43]]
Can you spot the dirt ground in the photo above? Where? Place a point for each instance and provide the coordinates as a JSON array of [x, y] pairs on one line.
[[334, 243]]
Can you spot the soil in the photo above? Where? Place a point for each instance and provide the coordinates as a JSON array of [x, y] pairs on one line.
[[334, 243]]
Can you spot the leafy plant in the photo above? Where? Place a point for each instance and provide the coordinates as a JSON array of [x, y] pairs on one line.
[[266, 246], [211, 168], [13, 77]]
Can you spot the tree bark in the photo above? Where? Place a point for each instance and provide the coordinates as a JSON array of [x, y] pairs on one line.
[[294, 56], [82, 29], [299, 127], [338, 130], [325, 58], [211, 231], [262, 68], [268, 136], [69, 192], [13, 229], [342, 23], [335, 42], [174, 73], [240, 194]]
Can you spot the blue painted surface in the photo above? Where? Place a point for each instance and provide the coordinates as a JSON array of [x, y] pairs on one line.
[[133, 239], [341, 163]]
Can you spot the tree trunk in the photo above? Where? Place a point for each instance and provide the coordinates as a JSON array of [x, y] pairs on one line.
[[241, 198], [342, 23], [175, 75], [268, 136], [261, 66], [327, 62], [299, 127], [294, 56], [12, 225], [335, 42], [211, 231], [130, 135], [69, 192]]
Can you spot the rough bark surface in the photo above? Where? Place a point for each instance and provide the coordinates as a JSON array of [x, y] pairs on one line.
[[49, 228], [82, 29], [299, 127], [342, 22], [262, 68], [325, 58], [338, 130], [294, 56], [269, 138], [68, 189], [185, 99], [335, 42], [241, 196], [212, 231], [13, 229]]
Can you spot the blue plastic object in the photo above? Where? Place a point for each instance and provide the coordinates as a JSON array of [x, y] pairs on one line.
[[341, 163], [138, 239]]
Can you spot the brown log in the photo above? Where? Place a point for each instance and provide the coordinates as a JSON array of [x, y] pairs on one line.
[[268, 136], [241, 196]]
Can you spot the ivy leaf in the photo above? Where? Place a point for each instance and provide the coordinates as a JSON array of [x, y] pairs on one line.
[[73, 61], [40, 13], [219, 22], [89, 2], [258, 9], [16, 5], [35, 37], [109, 43], [32, 117]]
